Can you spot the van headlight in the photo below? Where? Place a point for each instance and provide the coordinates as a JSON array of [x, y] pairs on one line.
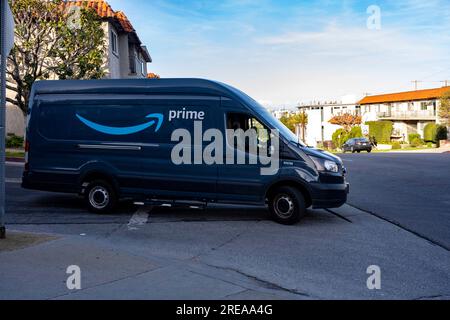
[[324, 165]]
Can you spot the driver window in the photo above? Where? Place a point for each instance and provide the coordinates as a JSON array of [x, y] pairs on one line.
[[236, 121]]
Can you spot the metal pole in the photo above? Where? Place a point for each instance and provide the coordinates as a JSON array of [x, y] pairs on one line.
[[2, 115]]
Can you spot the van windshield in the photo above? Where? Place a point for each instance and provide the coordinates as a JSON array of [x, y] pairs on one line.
[[270, 119]]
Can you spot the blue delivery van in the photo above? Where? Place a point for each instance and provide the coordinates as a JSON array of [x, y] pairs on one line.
[[108, 140]]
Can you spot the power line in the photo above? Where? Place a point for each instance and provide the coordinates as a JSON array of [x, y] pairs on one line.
[[416, 83]]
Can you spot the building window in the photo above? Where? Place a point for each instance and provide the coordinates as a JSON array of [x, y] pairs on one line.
[[142, 67], [114, 43], [424, 106]]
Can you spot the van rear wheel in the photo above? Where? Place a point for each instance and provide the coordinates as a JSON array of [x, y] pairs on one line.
[[100, 197], [287, 205]]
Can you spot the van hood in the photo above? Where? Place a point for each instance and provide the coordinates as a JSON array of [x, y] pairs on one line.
[[321, 154]]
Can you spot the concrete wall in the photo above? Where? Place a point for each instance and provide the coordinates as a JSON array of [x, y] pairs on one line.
[[123, 56], [113, 59], [15, 121]]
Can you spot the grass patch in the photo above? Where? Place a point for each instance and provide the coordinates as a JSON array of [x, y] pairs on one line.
[[15, 154]]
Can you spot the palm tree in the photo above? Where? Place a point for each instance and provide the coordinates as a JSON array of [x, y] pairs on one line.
[[294, 120], [302, 120]]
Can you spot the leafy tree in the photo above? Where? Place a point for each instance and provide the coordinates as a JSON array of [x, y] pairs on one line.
[[79, 53], [444, 110], [48, 45], [152, 75], [291, 121], [347, 121]]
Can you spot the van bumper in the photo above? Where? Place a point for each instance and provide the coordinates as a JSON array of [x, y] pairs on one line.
[[327, 196]]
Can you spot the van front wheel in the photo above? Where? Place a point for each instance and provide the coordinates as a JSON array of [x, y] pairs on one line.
[[100, 197], [287, 205]]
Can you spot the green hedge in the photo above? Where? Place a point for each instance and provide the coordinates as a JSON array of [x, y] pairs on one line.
[[13, 141], [381, 130], [429, 132]]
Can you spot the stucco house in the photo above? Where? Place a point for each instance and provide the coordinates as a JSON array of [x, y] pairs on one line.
[[410, 111], [125, 54]]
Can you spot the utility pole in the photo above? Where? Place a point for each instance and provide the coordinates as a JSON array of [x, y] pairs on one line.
[[445, 82], [416, 84], [6, 43]]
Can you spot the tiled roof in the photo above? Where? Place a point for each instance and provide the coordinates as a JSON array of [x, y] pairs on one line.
[[405, 96], [105, 11]]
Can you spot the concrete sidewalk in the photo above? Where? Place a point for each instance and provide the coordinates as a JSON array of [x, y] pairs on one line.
[[169, 257]]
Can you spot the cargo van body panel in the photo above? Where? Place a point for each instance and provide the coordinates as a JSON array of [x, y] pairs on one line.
[[122, 132]]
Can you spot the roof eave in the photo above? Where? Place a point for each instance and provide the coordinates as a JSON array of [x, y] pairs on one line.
[[145, 54]]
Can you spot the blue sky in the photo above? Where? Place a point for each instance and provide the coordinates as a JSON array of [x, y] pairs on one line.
[[282, 52]]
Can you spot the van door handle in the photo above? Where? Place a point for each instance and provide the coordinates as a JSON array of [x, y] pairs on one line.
[[109, 147]]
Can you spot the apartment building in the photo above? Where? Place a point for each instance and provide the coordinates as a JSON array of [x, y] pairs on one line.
[[319, 113], [410, 111], [125, 54]]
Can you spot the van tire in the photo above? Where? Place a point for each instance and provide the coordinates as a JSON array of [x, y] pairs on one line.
[[287, 205], [100, 197]]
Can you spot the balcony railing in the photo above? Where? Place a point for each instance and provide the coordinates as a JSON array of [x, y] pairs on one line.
[[418, 114]]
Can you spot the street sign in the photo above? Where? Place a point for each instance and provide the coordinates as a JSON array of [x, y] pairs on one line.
[[6, 44]]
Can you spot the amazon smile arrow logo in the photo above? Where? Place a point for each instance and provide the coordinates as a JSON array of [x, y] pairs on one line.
[[121, 131]]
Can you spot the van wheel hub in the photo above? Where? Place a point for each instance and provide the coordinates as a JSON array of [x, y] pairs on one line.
[[99, 197], [284, 206]]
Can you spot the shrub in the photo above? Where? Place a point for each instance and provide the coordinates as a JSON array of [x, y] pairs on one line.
[[415, 140], [396, 145], [416, 143], [381, 130], [13, 141], [356, 132], [339, 137], [441, 134], [430, 144], [413, 136], [429, 132]]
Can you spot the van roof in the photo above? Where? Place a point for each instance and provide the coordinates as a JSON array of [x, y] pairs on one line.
[[136, 86]]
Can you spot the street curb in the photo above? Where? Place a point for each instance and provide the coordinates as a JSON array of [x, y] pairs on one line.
[[18, 160]]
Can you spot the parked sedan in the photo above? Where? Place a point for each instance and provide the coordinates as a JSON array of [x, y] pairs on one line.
[[357, 145]]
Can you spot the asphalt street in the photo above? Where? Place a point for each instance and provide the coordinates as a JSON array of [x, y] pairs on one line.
[[412, 190], [232, 252]]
